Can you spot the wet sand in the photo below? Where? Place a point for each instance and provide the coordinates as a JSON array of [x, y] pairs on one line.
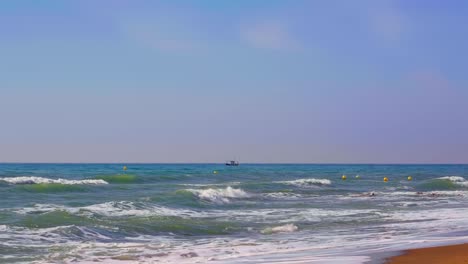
[[456, 254]]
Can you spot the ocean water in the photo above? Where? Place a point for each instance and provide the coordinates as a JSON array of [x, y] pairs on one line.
[[199, 213]]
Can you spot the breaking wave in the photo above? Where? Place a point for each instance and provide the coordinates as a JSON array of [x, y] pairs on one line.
[[306, 182], [119, 178], [126, 218], [41, 180], [288, 228], [458, 180], [445, 183], [109, 209], [219, 196]]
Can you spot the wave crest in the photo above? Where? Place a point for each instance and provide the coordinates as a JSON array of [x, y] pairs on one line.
[[288, 228], [119, 178], [458, 180], [41, 180], [453, 178], [110, 209], [306, 182], [219, 195]]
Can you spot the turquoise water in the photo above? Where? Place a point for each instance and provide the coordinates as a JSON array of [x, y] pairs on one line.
[[211, 212]]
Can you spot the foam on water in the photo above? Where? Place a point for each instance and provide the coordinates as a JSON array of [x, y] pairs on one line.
[[425, 194], [225, 250], [125, 208], [110, 209], [287, 228], [306, 182], [40, 237], [248, 214], [209, 184], [132, 209], [219, 195], [41, 180], [456, 179], [453, 178], [283, 196]]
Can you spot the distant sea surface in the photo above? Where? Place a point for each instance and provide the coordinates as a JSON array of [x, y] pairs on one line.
[[211, 213]]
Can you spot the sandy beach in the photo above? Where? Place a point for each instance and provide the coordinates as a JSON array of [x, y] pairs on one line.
[[455, 254]]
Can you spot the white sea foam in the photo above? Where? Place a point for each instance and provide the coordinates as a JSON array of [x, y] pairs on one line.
[[407, 194], [288, 215], [219, 195], [453, 178], [210, 184], [283, 195], [228, 250], [128, 208], [331, 246], [44, 208], [306, 182], [125, 208], [458, 180], [399, 188], [15, 236], [436, 220], [111, 209], [287, 228], [41, 180]]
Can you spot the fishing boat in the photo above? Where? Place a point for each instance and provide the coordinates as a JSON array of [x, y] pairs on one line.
[[232, 163]]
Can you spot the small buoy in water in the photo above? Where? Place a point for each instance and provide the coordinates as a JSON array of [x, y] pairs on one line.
[[124, 168], [215, 172], [410, 178], [343, 177], [385, 179], [357, 176]]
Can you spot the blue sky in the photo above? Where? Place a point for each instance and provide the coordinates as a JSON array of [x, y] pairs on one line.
[[261, 81]]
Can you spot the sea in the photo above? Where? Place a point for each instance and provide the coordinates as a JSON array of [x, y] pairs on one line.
[[212, 213]]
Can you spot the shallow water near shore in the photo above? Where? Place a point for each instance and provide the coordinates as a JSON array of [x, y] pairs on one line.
[[214, 213]]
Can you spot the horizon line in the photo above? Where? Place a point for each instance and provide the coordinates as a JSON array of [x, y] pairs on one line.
[[245, 163]]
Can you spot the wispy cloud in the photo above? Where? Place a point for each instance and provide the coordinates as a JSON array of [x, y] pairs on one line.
[[271, 35]]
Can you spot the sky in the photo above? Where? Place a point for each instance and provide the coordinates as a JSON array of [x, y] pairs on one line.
[[326, 81]]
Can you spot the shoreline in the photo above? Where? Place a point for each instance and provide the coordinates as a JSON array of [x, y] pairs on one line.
[[453, 254]]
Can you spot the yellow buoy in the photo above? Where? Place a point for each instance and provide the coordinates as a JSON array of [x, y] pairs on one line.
[[385, 179], [124, 168], [357, 176], [215, 172], [343, 177], [410, 178]]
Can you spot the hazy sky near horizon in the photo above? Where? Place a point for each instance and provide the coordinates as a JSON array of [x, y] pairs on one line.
[[207, 81]]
